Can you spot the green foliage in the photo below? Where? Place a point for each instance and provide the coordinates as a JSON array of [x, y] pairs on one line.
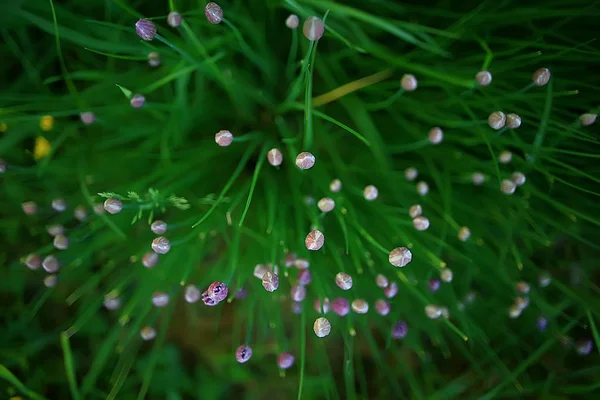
[[339, 98]]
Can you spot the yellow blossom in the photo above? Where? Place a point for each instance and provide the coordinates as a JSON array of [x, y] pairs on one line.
[[42, 148], [47, 123]]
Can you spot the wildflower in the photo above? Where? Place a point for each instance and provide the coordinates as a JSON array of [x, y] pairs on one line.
[[313, 28], [584, 347], [391, 290], [421, 223], [87, 117], [400, 257], [61, 242], [270, 281], [50, 281], [145, 29], [33, 262], [382, 307], [477, 178], [434, 285], [191, 294], [360, 306], [541, 76], [137, 100], [497, 120], [341, 306], [408, 82], [513, 121], [112, 301], [298, 293], [314, 240], [216, 293], [55, 230], [335, 185], [275, 157], [518, 178], [464, 233], [415, 211], [292, 21], [432, 311], [159, 227], [223, 138], [446, 275], [29, 208], [214, 15], [160, 299], [326, 204], [161, 245], [150, 259], [324, 308], [436, 135], [422, 188], [285, 360], [59, 205], [305, 160], [343, 281], [47, 123], [382, 281], [399, 330], [174, 19], [508, 186], [243, 352], [304, 277], [484, 78], [587, 119], [322, 327], [370, 193], [411, 174], [154, 59], [147, 333], [41, 148], [50, 264], [80, 213]]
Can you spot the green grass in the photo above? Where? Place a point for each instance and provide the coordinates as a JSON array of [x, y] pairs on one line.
[[228, 210]]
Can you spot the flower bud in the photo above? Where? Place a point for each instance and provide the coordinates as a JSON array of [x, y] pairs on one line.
[[518, 178], [541, 323], [87, 117], [216, 293], [314, 240], [112, 301], [497, 120], [464, 233], [514, 311], [150, 259], [382, 281], [508, 186], [584, 347], [301, 263], [360, 306], [399, 330], [477, 178], [322, 327], [260, 270], [51, 264], [243, 353], [59, 205], [370, 193], [326, 204], [305, 160], [484, 78], [3, 166], [409, 83], [322, 308], [113, 206], [270, 281], [422, 188], [400, 257], [292, 21], [313, 28], [147, 333], [50, 281], [587, 119], [275, 157], [341, 306], [411, 174], [446, 275], [145, 29], [214, 15], [541, 76], [159, 227], [174, 19], [335, 186], [513, 121], [154, 59], [415, 211], [285, 360], [224, 138], [98, 209], [160, 299], [432, 311], [391, 290], [161, 245], [55, 230], [61, 242], [544, 279], [137, 100], [298, 293], [33, 262], [29, 208], [436, 135], [421, 223], [343, 281], [80, 213], [434, 285], [304, 277], [191, 294], [382, 307]]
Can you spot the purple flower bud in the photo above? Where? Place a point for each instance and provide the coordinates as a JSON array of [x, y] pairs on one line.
[[33, 262], [296, 307], [391, 291], [304, 277], [290, 258], [382, 307], [243, 352], [298, 293], [305, 160], [87, 117], [192, 294], [270, 281], [541, 76], [137, 101], [59, 205], [399, 330], [216, 293], [214, 15], [434, 285], [584, 347], [541, 323], [51, 264], [145, 29], [150, 259], [113, 206], [242, 293], [161, 245], [313, 28], [322, 309], [285, 360], [400, 257], [341, 306], [61, 242], [224, 138], [382, 281], [159, 227], [160, 299], [174, 19]]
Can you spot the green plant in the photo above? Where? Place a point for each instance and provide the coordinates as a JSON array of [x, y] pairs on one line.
[[72, 72]]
